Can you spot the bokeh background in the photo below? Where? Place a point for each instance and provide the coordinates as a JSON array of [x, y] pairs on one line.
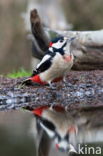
[[15, 46]]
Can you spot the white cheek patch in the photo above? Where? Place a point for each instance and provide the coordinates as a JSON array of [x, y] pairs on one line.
[[58, 44]]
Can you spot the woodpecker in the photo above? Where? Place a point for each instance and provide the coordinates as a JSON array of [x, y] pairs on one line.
[[54, 121], [69, 129], [55, 64]]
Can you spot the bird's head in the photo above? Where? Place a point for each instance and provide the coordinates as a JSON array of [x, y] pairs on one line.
[[62, 45], [60, 42]]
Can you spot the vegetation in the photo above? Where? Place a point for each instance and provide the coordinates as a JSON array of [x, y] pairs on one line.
[[21, 73]]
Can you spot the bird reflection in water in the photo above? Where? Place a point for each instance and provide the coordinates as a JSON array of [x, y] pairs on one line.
[[66, 129]]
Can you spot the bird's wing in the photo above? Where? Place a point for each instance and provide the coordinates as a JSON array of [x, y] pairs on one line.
[[44, 59], [43, 65]]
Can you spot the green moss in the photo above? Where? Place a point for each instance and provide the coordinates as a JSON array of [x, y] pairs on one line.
[[21, 73]]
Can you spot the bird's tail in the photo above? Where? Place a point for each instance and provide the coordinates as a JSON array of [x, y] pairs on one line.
[[33, 80], [27, 82]]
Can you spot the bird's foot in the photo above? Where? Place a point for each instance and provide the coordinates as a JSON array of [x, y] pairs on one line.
[[52, 86], [64, 81]]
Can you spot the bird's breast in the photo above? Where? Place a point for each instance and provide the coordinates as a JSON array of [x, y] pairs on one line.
[[62, 63], [58, 68]]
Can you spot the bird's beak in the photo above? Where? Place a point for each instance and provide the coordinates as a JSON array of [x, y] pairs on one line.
[[73, 38], [70, 39], [65, 38]]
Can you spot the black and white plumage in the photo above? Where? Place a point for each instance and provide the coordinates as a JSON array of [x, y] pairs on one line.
[[57, 61], [59, 126]]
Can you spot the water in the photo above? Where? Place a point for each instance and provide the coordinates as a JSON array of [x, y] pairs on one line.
[[78, 131], [75, 126], [71, 95], [56, 131], [15, 136]]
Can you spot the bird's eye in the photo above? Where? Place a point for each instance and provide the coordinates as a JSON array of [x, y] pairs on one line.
[[61, 40]]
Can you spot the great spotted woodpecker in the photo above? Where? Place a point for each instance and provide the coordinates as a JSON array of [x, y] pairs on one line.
[[57, 61], [58, 125], [69, 130]]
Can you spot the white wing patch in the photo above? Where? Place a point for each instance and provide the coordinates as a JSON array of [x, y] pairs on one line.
[[58, 44], [44, 59]]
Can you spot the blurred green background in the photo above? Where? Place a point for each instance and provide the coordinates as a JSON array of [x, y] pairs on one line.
[[15, 48]]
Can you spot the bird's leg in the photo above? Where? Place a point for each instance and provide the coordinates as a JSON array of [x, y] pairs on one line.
[[64, 79], [51, 85]]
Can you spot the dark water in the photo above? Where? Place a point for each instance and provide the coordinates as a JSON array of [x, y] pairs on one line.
[[78, 131], [56, 131]]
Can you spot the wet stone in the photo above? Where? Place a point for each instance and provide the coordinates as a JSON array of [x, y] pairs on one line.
[[81, 88]]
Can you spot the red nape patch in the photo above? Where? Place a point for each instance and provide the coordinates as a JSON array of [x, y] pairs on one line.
[[50, 44], [39, 110], [37, 79]]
